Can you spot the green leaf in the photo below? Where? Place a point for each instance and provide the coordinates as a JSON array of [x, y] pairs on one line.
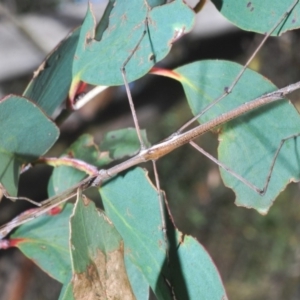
[[123, 142], [103, 23], [50, 84], [9, 172], [127, 200], [260, 16], [85, 149], [25, 134], [248, 143], [45, 241], [131, 202], [193, 273], [66, 292], [99, 62], [62, 178], [137, 280], [115, 145], [97, 253]]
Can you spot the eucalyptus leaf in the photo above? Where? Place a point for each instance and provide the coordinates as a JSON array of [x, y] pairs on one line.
[[99, 62], [248, 143], [25, 134], [50, 84], [97, 253], [131, 203], [260, 16], [45, 241]]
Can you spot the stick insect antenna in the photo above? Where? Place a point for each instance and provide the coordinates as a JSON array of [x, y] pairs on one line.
[[229, 89]]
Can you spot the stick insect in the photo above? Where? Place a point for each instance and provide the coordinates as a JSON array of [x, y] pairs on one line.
[[260, 190]]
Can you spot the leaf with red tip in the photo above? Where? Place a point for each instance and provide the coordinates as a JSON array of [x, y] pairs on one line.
[[45, 241], [99, 62]]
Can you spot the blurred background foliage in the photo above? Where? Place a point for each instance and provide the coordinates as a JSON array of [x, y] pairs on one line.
[[258, 256]]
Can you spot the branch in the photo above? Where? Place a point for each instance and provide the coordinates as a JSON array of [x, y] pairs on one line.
[[153, 153]]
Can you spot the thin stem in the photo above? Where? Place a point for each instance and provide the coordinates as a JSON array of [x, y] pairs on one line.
[[67, 161], [22, 198]]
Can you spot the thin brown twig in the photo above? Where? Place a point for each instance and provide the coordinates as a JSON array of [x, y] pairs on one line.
[[68, 161]]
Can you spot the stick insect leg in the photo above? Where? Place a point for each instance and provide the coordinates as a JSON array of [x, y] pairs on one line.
[[230, 171], [294, 136], [123, 71], [229, 89], [161, 206], [21, 198], [160, 196], [260, 191]]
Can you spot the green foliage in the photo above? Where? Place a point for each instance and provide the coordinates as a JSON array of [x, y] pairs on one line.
[[188, 266], [65, 176], [123, 250], [260, 16], [123, 142], [66, 292], [125, 28], [46, 241], [97, 255], [19, 117], [250, 134], [50, 84], [115, 145]]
